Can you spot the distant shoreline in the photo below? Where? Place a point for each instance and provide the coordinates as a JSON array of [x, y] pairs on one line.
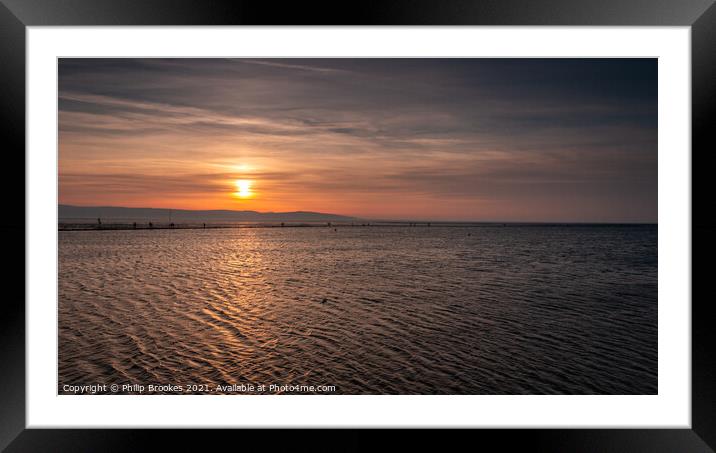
[[201, 226]]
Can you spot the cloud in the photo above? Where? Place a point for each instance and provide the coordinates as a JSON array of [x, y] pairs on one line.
[[297, 66]]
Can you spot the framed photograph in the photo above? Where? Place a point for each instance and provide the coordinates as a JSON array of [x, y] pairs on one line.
[[419, 215]]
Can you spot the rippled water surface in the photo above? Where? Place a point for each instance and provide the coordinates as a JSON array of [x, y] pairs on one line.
[[456, 310]]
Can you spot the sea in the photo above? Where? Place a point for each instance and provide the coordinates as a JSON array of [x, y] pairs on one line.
[[352, 309]]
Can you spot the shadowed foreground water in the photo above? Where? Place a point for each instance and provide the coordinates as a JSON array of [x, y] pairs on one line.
[[432, 310]]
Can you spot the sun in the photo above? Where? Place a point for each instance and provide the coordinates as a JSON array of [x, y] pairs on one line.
[[243, 188]]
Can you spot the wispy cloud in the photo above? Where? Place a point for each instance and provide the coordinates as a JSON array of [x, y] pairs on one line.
[[299, 67]]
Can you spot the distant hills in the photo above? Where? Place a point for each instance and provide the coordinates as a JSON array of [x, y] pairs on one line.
[[81, 214]]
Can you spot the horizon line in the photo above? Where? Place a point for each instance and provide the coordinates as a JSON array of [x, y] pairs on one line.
[[386, 220]]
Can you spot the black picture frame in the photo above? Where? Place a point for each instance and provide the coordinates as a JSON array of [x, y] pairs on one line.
[[700, 15]]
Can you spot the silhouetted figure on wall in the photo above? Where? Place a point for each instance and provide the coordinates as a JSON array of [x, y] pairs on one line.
[[150, 225], [134, 225]]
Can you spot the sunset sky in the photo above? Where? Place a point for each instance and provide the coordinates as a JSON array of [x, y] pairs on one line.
[[418, 139]]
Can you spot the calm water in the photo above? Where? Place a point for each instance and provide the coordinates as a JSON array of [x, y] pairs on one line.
[[456, 310]]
